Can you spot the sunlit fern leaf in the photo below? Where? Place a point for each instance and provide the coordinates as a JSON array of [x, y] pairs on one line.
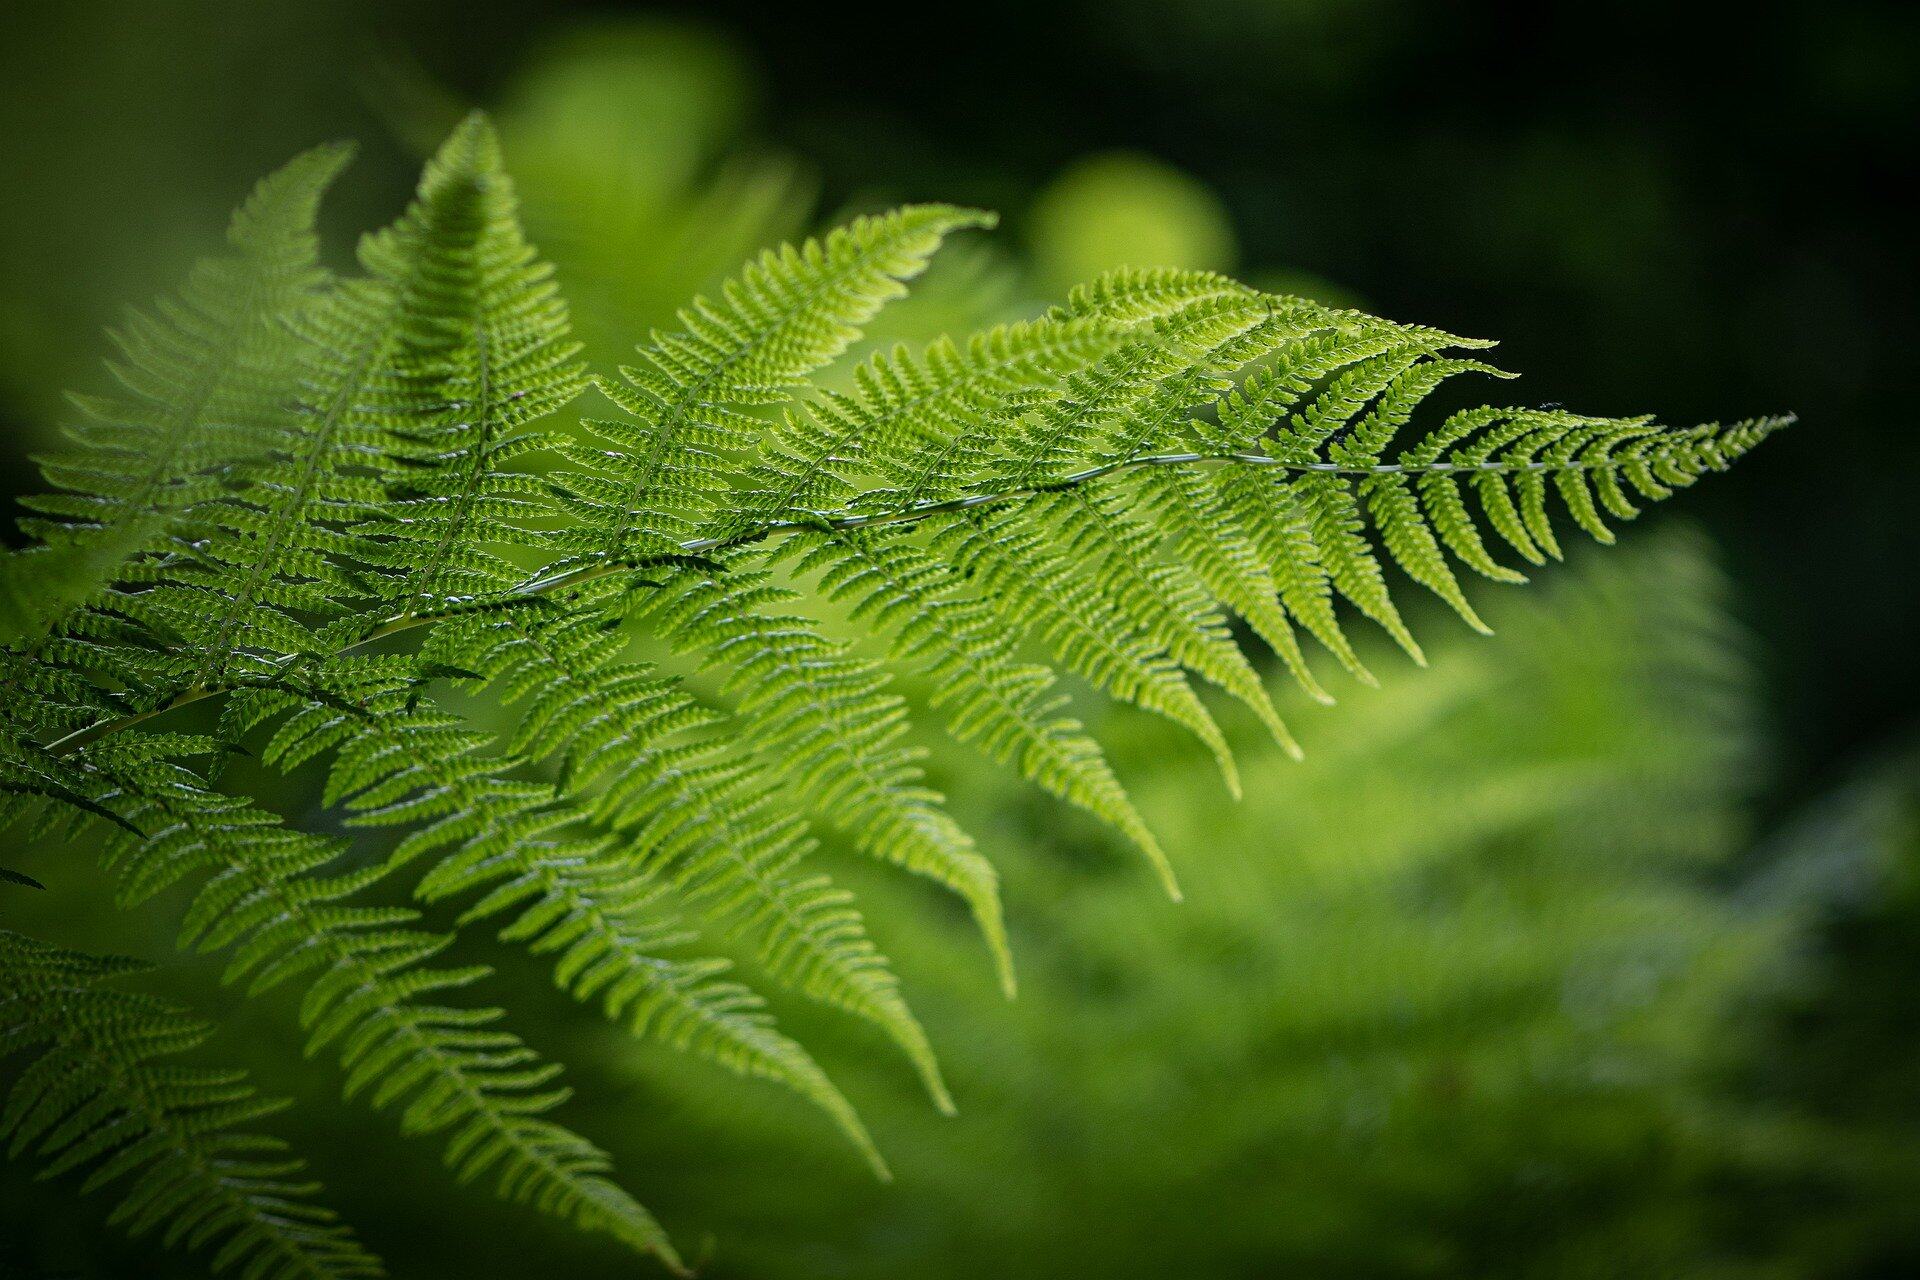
[[1003, 706], [1132, 295], [808, 462], [1119, 554], [481, 350], [1026, 578], [669, 802], [788, 313], [1096, 412], [99, 1091], [1208, 535]]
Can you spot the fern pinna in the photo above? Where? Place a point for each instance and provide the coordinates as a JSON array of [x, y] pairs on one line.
[[95, 1092], [347, 505]]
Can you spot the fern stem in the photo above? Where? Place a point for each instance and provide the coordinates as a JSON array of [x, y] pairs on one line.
[[544, 584], [550, 583]]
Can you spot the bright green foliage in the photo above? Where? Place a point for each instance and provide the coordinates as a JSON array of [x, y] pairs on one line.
[[313, 470], [98, 1092]]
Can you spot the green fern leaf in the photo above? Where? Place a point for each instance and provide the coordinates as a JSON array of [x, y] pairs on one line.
[[301, 468], [997, 703], [786, 315], [266, 896], [97, 1092], [572, 886], [825, 720]]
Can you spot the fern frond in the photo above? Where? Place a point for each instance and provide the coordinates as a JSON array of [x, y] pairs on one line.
[[205, 382], [996, 702], [295, 473], [808, 461], [203, 376], [1028, 580], [825, 719], [573, 887], [786, 315], [267, 894], [99, 1091], [481, 350]]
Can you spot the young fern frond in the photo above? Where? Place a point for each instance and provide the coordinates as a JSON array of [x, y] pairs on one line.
[[310, 467], [98, 1091]]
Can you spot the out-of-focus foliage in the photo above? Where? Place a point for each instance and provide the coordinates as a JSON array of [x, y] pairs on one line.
[[1456, 996], [1839, 1049], [95, 1091], [1122, 210], [625, 140]]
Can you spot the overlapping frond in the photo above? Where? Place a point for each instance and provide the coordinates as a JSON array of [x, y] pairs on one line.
[[482, 349], [647, 479], [826, 722], [203, 384], [302, 467], [569, 884], [201, 376], [276, 900], [99, 1091]]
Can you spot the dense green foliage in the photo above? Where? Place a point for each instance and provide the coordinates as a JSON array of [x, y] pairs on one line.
[[300, 474]]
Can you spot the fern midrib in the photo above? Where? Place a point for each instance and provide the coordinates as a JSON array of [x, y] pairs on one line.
[[546, 584], [916, 495], [182, 1143]]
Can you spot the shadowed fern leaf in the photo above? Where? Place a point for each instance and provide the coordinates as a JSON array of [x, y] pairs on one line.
[[306, 472], [98, 1092], [275, 899]]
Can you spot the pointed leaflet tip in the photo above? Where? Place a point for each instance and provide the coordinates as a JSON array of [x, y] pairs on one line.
[[283, 204]]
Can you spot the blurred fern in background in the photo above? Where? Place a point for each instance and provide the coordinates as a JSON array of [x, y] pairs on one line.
[[1455, 996]]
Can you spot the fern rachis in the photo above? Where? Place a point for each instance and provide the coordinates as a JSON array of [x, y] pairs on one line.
[[1116, 481]]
